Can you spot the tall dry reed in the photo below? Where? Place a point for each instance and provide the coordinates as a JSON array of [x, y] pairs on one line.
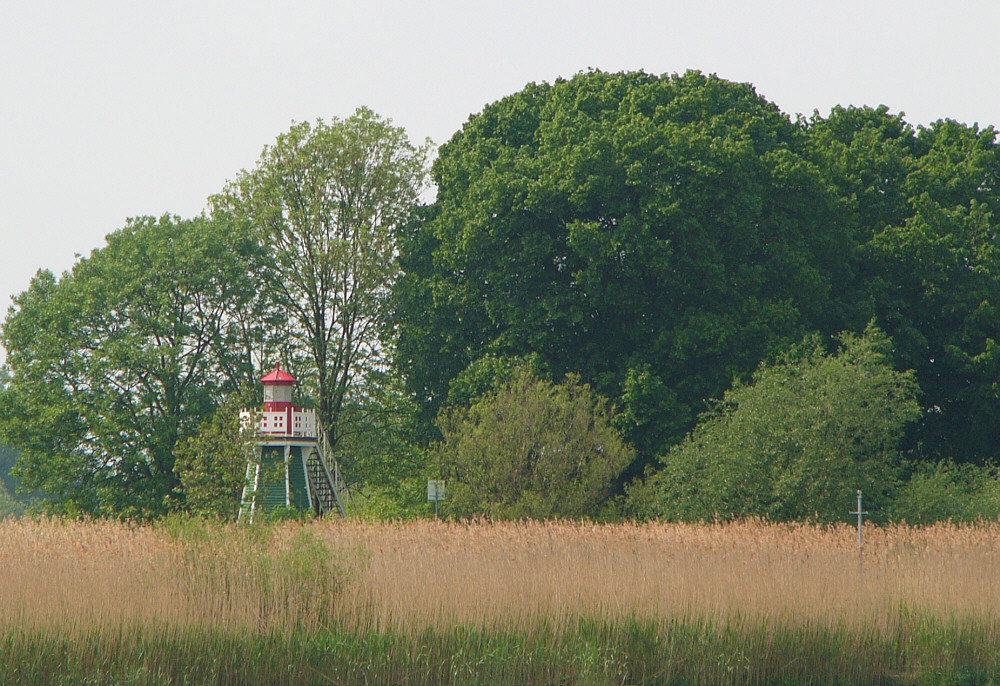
[[517, 574], [436, 575]]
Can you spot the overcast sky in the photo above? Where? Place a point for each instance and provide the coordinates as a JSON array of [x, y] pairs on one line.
[[111, 110]]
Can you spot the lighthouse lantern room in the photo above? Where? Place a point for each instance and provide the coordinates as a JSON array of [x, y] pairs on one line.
[[279, 416], [289, 466]]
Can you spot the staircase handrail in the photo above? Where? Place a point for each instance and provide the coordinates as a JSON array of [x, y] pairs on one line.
[[336, 480]]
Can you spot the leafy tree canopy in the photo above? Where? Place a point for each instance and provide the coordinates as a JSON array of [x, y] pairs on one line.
[[655, 235], [122, 357], [661, 235], [795, 443], [531, 449], [945, 491], [923, 207], [212, 463]]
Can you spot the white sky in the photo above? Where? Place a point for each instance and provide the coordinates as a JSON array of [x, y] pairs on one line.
[[116, 109]]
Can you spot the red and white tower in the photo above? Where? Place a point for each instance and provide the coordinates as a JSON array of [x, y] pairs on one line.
[[280, 417], [290, 467]]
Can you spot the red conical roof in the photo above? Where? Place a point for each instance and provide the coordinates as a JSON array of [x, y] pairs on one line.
[[278, 376]]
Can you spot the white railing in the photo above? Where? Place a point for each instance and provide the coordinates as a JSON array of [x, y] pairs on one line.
[[341, 492], [272, 425], [297, 423]]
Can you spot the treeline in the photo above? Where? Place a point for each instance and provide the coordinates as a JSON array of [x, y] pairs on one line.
[[666, 237], [126, 372], [634, 295]]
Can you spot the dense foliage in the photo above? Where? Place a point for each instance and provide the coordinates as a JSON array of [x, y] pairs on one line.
[[531, 449], [655, 239], [657, 236], [125, 355], [211, 465], [662, 236], [794, 444], [923, 206], [947, 492]]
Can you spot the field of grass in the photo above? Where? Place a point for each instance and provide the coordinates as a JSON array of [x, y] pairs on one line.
[[337, 602]]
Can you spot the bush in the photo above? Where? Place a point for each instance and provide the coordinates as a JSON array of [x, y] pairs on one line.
[[531, 449], [796, 443], [948, 492]]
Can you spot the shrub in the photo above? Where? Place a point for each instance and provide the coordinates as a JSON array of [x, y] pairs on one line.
[[531, 449]]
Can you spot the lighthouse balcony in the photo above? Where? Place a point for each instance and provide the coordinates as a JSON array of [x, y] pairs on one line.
[[287, 422]]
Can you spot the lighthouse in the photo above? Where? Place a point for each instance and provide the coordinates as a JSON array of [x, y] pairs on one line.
[[290, 466]]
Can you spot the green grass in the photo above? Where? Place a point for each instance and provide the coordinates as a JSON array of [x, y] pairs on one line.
[[919, 650]]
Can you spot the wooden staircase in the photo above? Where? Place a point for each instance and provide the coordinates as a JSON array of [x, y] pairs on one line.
[[248, 500]]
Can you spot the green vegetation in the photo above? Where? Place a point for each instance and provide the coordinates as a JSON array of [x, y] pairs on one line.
[[119, 359], [211, 465], [120, 364], [10, 502], [662, 237], [947, 492], [657, 236], [666, 242], [326, 200], [809, 430], [9, 506], [918, 651], [531, 449], [923, 207]]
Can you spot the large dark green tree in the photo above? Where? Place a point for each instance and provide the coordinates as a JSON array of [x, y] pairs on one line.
[[124, 356], [924, 210], [657, 235]]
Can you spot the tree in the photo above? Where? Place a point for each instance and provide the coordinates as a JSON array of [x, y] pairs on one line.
[[12, 501], [211, 464], [923, 206], [531, 449], [120, 359], [796, 443], [867, 154], [9, 503], [656, 235], [325, 201]]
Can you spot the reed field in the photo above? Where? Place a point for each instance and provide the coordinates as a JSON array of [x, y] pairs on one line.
[[345, 602]]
